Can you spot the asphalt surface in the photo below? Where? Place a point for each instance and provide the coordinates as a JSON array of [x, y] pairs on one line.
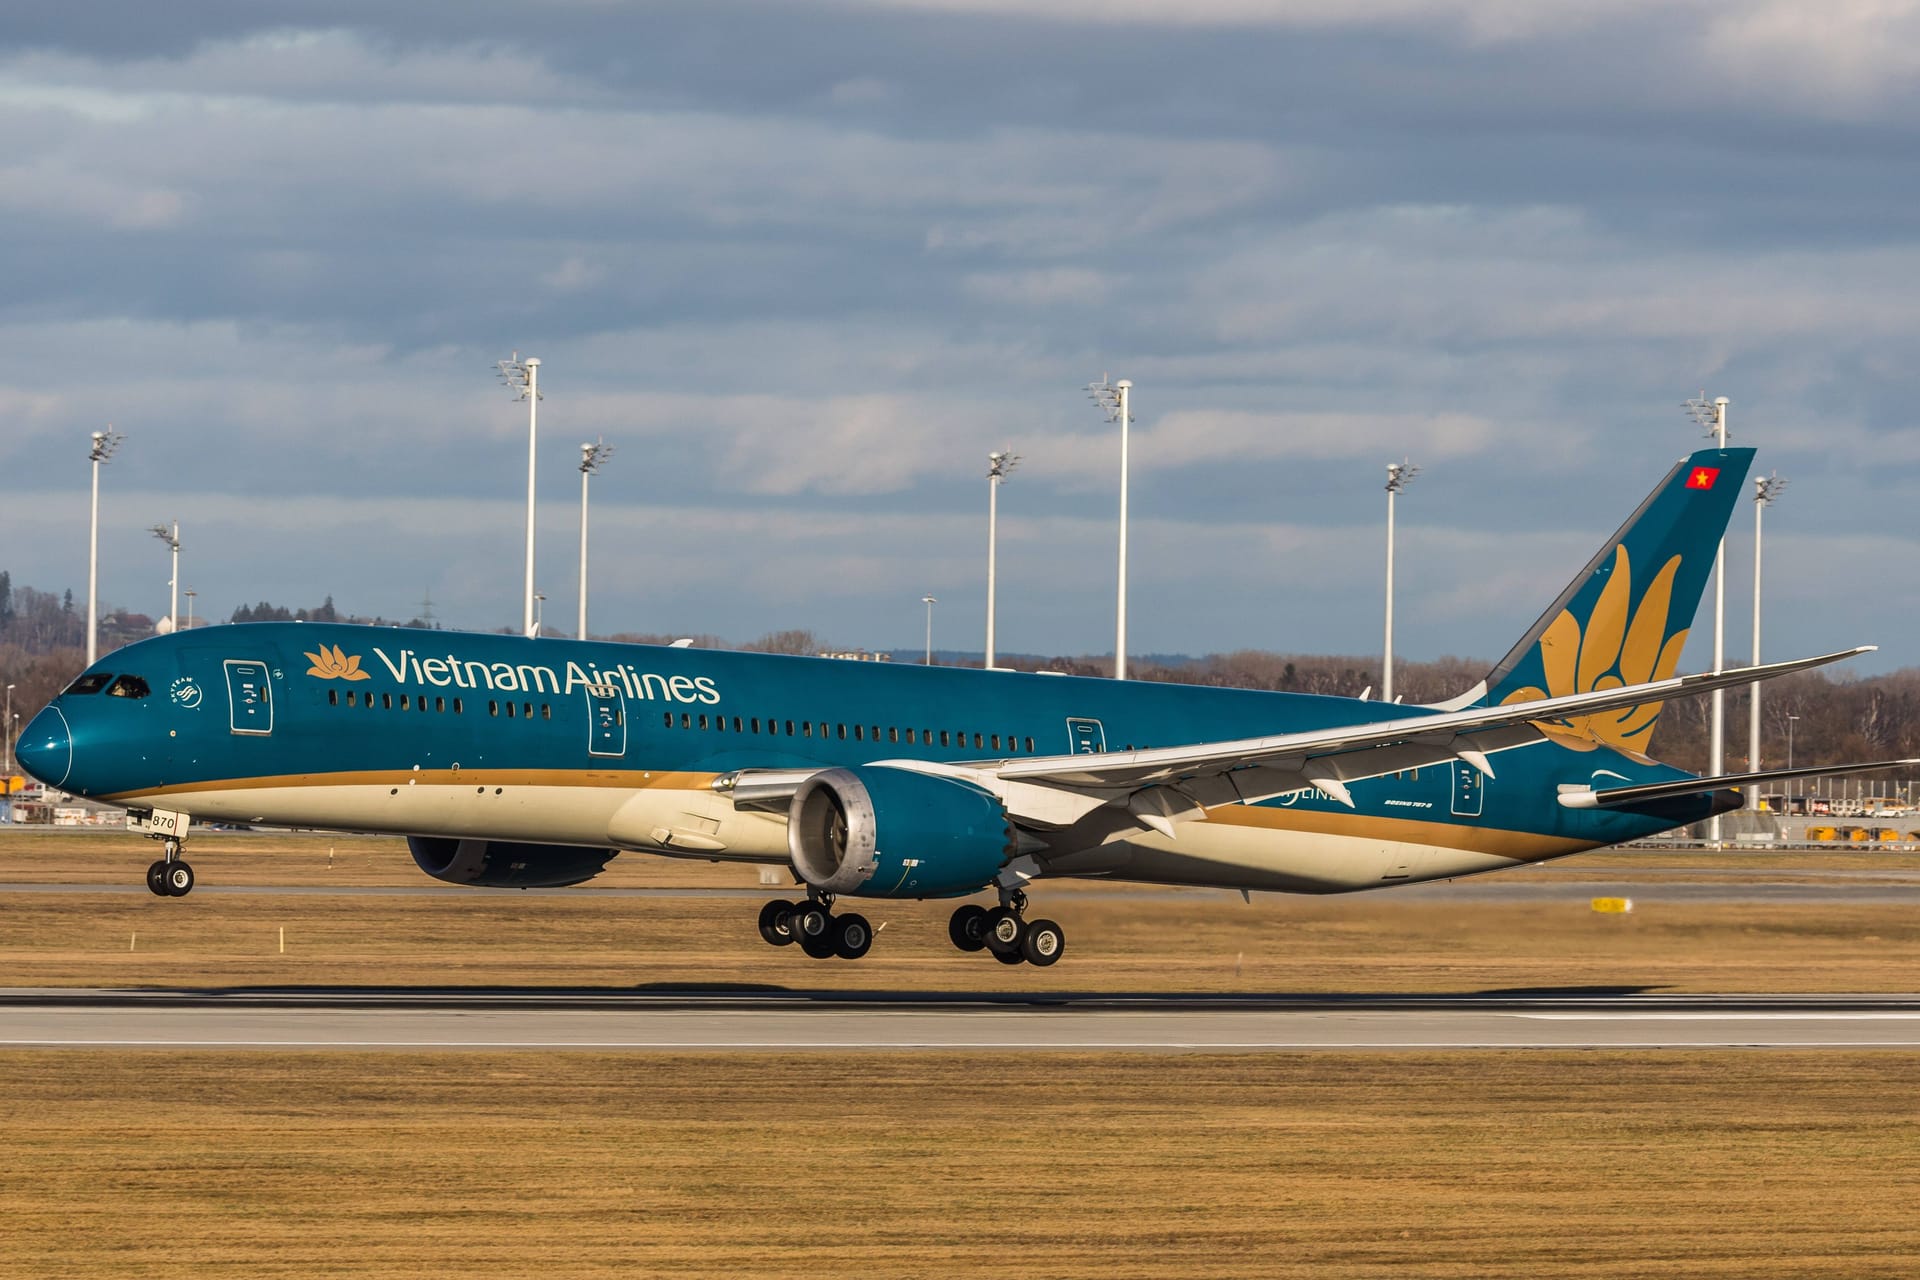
[[774, 1019]]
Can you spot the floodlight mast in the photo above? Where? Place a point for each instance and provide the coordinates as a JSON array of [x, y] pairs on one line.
[[592, 458], [1000, 465], [1711, 415], [1399, 476], [1112, 398], [1765, 490], [104, 443], [171, 536], [522, 377], [929, 601]]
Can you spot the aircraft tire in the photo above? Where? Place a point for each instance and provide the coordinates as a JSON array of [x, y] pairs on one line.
[[1043, 942], [774, 928], [157, 878], [852, 936], [967, 929], [1009, 957], [818, 945], [1003, 931], [179, 879]]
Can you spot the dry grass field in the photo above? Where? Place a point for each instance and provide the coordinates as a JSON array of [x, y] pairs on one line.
[[572, 1164], [1603, 1164], [1116, 940]]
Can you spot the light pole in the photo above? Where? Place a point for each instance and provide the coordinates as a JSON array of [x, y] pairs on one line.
[[1712, 416], [1399, 476], [172, 538], [1112, 398], [592, 458], [523, 379], [929, 601], [6, 770], [539, 611], [1765, 490], [999, 466], [190, 593], [104, 443]]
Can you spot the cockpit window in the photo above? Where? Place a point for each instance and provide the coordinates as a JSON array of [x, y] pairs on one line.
[[129, 687], [92, 682]]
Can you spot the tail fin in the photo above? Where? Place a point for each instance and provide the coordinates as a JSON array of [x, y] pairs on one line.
[[1624, 619]]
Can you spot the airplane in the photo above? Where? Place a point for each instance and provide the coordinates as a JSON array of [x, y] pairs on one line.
[[515, 762]]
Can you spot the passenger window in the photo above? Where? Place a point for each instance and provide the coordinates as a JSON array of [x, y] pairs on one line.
[[856, 734], [893, 735], [977, 744], [526, 709], [1029, 746], [943, 737], [703, 720], [403, 702], [386, 702], [996, 742], [546, 711], [668, 715], [493, 707], [439, 706], [509, 711], [755, 723], [736, 724], [458, 708], [843, 732], [823, 728], [91, 683], [333, 697], [686, 721], [789, 728], [806, 728]]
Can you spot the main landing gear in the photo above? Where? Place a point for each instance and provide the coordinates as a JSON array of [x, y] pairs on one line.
[[1006, 932], [813, 925], [171, 876]]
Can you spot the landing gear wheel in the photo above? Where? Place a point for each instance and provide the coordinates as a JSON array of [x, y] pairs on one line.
[[968, 927], [852, 936], [179, 879], [1042, 943], [813, 926], [157, 879], [1003, 932], [1009, 957], [774, 926]]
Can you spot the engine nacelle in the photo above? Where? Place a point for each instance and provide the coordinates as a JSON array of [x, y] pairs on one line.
[[893, 833], [502, 864]]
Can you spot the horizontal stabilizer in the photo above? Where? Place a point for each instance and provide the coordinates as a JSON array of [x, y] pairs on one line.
[[1617, 797]]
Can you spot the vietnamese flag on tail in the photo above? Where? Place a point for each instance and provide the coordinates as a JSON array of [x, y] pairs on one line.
[[1703, 477]]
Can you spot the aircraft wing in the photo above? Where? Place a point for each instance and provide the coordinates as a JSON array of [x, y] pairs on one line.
[[1617, 797], [1320, 757]]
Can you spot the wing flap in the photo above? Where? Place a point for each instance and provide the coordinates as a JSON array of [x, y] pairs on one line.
[[1620, 797]]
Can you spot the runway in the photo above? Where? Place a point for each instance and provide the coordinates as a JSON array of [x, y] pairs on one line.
[[705, 1020]]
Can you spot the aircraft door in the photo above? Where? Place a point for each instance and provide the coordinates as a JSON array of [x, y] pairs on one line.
[[1469, 790], [606, 720], [1086, 737], [250, 695]]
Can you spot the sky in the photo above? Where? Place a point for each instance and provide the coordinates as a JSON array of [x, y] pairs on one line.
[[805, 263]]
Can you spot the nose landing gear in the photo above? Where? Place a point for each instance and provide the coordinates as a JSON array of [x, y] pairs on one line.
[[1006, 932], [171, 876]]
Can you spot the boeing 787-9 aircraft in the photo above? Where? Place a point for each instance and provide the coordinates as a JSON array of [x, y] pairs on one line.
[[510, 762]]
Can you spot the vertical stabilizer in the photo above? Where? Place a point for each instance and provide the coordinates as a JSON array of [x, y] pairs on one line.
[[1624, 619]]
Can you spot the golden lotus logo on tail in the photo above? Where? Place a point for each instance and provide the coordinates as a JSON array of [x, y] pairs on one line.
[[1625, 643], [331, 664]]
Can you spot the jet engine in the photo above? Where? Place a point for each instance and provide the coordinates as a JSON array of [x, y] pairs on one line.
[[502, 864], [892, 833]]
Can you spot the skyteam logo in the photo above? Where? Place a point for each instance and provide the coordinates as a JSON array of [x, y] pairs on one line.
[[452, 672], [185, 693]]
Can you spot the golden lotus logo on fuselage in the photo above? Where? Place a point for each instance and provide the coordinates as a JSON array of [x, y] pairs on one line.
[[332, 664], [1625, 643]]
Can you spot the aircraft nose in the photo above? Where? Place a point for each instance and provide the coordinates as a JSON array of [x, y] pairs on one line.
[[45, 748]]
